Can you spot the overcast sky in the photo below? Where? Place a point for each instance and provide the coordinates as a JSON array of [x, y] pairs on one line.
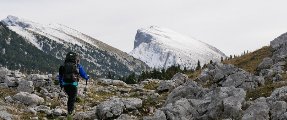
[[230, 25]]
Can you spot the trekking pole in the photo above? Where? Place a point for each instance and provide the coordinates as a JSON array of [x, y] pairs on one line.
[[85, 95]]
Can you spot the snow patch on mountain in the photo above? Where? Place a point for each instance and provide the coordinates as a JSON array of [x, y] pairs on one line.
[[56, 32], [58, 39], [161, 47]]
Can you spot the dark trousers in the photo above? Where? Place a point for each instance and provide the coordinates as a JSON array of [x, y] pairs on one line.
[[71, 91]]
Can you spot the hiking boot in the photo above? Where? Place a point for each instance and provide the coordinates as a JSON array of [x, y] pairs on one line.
[[70, 112]]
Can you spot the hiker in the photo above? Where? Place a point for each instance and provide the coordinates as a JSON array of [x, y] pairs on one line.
[[69, 77]]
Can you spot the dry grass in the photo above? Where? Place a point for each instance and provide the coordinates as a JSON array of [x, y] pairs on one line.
[[96, 97], [7, 92], [250, 61], [264, 91], [151, 85], [158, 103], [193, 75]]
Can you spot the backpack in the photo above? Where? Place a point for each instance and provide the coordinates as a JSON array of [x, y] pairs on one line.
[[72, 57], [69, 70]]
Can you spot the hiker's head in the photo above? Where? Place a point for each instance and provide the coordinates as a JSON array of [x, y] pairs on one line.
[[72, 57]]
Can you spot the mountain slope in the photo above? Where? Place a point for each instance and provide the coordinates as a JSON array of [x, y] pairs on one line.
[[161, 48], [53, 41], [250, 61]]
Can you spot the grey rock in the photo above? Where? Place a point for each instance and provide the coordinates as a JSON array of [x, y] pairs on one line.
[[190, 90], [153, 96], [225, 69], [53, 95], [257, 111], [166, 85], [109, 109], [132, 103], [31, 110], [210, 66], [200, 105], [44, 91], [28, 99], [267, 73], [3, 85], [124, 90], [259, 80], [105, 81], [35, 118], [225, 75], [265, 64], [119, 83], [179, 79], [9, 99], [126, 117], [204, 77], [5, 115], [277, 68], [145, 82], [39, 80], [278, 56], [235, 79], [218, 77], [116, 106], [18, 74], [11, 81], [87, 115], [34, 77], [242, 79], [277, 77], [227, 102], [3, 73], [159, 115], [43, 109], [277, 109], [279, 41], [283, 117], [59, 112], [279, 94], [25, 86], [180, 110]]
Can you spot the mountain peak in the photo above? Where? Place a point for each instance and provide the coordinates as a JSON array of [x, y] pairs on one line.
[[165, 36], [161, 47], [15, 21], [146, 35]]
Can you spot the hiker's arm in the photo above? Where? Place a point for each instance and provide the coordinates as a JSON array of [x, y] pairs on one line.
[[82, 72], [60, 76], [60, 79]]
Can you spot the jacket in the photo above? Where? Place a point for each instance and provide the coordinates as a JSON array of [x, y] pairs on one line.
[[81, 72]]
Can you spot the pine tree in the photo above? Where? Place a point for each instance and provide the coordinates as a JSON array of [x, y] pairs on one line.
[[110, 76], [198, 67], [185, 69], [163, 74], [131, 79], [204, 66]]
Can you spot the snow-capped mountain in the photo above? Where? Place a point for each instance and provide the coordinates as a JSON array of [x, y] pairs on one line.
[[160, 48], [55, 40]]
